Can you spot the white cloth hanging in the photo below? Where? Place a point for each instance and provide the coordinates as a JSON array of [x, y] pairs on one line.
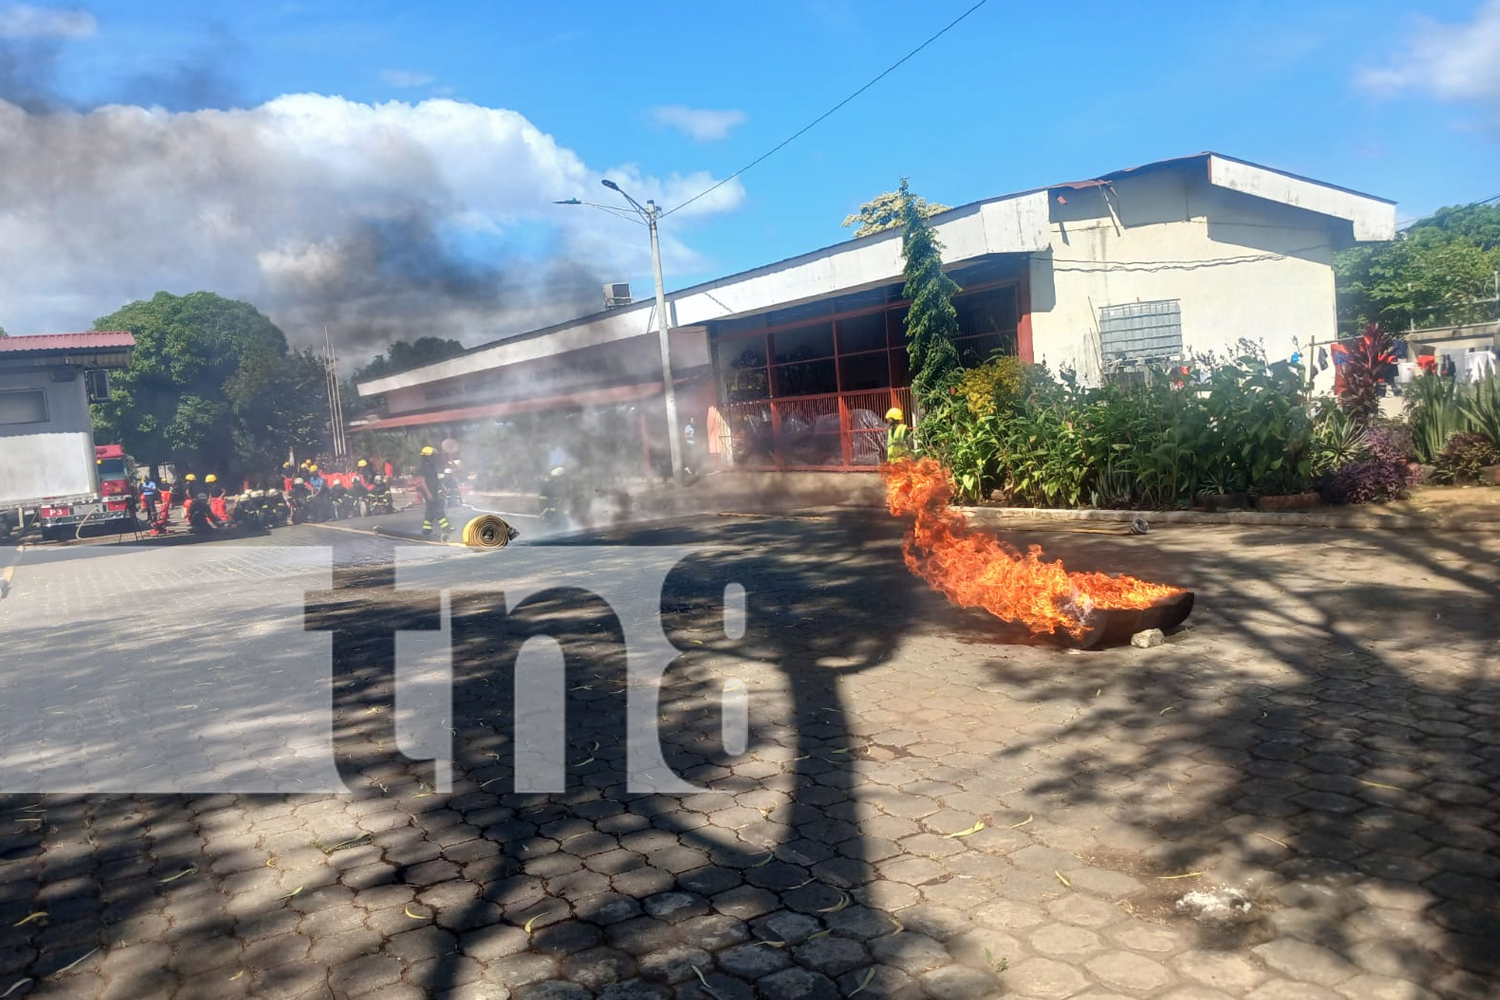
[[1477, 365]]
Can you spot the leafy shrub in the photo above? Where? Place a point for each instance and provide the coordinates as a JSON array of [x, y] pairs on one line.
[[1387, 441], [1432, 410], [1481, 408], [1264, 430], [1042, 456], [1047, 441], [1337, 440], [1367, 481], [1467, 452], [994, 386]]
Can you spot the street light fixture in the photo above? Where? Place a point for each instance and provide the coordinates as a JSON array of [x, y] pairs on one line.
[[650, 213]]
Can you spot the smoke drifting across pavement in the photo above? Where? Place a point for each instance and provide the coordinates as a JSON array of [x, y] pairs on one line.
[[379, 220]]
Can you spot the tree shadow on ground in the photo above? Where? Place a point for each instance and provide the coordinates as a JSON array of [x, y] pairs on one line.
[[763, 885], [1345, 776]]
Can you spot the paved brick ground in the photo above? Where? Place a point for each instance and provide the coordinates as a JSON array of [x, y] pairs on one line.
[[1318, 750]]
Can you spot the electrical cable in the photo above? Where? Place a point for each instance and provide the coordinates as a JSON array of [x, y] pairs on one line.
[[808, 127], [1402, 227], [1149, 266]]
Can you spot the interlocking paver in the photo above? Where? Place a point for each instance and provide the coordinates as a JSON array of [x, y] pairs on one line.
[[1351, 776], [1044, 979], [797, 984]]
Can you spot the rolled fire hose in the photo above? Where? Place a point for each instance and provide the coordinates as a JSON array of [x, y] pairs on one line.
[[487, 531]]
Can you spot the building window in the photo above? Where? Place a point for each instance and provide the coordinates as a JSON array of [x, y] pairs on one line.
[[25, 407], [808, 386], [743, 362], [1141, 331], [987, 324]]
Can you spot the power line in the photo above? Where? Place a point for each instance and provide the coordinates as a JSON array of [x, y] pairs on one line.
[[810, 125], [1402, 227], [1151, 266]]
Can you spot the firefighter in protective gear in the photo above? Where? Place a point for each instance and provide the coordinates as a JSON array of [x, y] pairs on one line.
[[216, 497], [379, 499], [201, 518], [897, 438], [430, 487]]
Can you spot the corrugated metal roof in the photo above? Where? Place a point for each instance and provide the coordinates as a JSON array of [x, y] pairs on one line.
[[95, 341]]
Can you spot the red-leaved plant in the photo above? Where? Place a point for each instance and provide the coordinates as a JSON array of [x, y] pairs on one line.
[[1365, 373]]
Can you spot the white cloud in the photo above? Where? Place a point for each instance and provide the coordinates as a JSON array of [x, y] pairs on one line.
[[406, 78], [22, 20], [699, 123], [1453, 62], [380, 220]]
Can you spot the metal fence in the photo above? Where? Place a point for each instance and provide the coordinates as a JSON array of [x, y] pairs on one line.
[[836, 431]]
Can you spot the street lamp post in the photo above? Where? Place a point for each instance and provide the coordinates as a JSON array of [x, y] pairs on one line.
[[650, 213]]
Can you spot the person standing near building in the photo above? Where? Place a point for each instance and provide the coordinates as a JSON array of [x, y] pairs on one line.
[[150, 494], [689, 447], [430, 487], [897, 444], [718, 440]]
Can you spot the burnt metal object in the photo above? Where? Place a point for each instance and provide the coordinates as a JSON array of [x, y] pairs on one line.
[[1114, 626]]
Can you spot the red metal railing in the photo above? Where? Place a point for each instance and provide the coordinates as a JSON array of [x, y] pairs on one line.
[[840, 431]]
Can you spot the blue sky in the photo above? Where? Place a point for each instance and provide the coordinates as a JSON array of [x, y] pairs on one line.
[[1367, 95]]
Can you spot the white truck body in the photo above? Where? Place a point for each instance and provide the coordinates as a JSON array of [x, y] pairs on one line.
[[49, 473], [51, 459]]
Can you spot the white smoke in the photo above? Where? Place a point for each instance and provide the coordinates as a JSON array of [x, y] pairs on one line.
[[379, 220]]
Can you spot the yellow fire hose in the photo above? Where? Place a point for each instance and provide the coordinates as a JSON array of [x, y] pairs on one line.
[[487, 531]]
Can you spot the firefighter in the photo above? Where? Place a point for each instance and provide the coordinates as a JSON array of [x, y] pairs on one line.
[[359, 487], [216, 497], [189, 489], [897, 436], [201, 518], [380, 497], [430, 487], [178, 495]]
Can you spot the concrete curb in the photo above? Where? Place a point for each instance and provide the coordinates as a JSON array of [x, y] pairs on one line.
[[1287, 519]]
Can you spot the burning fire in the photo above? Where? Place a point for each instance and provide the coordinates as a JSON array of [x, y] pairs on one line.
[[976, 570]]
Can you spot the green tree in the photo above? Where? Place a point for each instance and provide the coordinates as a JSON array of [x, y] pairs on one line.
[[884, 211], [212, 385], [932, 322], [402, 355], [1437, 273], [3, 334]]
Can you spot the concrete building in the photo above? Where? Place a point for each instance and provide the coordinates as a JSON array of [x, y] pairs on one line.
[[793, 363]]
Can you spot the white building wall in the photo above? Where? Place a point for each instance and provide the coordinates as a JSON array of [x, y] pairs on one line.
[[1239, 266]]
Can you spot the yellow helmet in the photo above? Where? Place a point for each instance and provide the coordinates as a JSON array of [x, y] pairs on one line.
[[192, 478], [428, 450], [211, 478], [312, 468], [894, 413], [363, 463]]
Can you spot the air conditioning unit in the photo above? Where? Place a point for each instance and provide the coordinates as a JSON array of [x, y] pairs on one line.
[[616, 294]]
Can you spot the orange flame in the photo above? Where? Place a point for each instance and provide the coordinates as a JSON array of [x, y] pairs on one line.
[[977, 570]]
